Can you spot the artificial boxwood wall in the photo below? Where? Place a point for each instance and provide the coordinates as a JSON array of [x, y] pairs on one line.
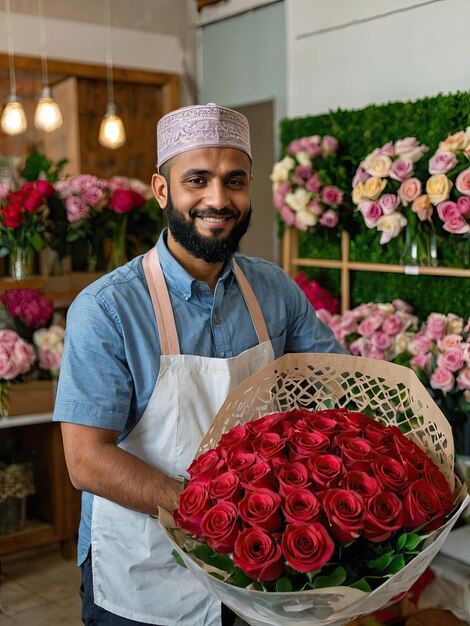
[[430, 120]]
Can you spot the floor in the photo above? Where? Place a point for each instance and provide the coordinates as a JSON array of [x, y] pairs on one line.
[[39, 588]]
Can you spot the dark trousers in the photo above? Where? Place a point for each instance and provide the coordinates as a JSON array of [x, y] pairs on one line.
[[93, 615]]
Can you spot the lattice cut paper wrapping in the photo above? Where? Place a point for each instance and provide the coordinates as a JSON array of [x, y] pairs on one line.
[[315, 381]]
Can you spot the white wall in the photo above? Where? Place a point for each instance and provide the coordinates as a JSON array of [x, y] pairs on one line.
[[408, 52]]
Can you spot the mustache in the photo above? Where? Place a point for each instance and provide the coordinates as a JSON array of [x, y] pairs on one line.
[[193, 213]]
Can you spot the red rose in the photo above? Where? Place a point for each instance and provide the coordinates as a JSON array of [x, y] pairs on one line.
[[304, 444], [326, 470], [292, 476], [390, 474], [264, 424], [298, 425], [260, 509], [226, 487], [16, 196], [433, 475], [258, 476], [12, 215], [32, 201], [354, 449], [220, 526], [422, 504], [257, 555], [307, 547], [325, 425], [238, 437], [270, 446], [345, 513], [301, 506], [194, 502], [124, 200], [207, 466], [384, 515], [362, 483], [239, 461], [44, 188]]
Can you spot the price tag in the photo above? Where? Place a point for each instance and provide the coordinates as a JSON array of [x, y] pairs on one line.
[[412, 270]]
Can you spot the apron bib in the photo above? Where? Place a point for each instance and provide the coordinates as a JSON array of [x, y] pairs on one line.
[[134, 573]]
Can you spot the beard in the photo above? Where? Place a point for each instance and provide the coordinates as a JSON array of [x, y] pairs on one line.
[[215, 248]]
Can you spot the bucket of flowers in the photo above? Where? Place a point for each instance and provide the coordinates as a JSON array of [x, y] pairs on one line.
[[322, 491]]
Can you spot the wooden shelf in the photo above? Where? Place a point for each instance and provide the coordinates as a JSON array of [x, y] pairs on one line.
[[35, 534], [291, 262]]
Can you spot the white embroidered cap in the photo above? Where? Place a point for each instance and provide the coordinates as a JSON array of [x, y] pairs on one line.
[[201, 126]]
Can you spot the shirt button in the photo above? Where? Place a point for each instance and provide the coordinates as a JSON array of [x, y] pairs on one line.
[[222, 354], [216, 321]]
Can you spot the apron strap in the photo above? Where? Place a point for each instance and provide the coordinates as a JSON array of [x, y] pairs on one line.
[[164, 311], [161, 303], [252, 303]]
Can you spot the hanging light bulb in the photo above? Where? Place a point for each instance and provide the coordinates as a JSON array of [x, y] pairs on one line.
[[112, 134], [48, 116], [13, 120]]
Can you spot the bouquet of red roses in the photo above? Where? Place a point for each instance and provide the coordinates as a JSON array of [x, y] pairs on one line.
[[331, 511]]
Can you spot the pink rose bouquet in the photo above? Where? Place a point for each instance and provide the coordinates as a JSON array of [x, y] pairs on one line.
[[448, 188], [304, 192], [319, 297], [16, 355], [49, 343], [29, 309], [385, 183]]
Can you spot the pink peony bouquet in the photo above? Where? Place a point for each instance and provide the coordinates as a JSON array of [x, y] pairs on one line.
[[385, 183], [377, 331], [303, 190], [319, 297], [31, 308], [16, 355], [448, 189], [83, 196], [49, 343]]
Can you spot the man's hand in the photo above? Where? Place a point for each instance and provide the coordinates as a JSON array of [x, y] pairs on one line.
[[96, 464]]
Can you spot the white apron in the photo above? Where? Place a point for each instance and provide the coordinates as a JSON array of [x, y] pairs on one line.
[[134, 573]]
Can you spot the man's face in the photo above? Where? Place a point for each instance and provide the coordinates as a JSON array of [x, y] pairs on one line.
[[208, 201]]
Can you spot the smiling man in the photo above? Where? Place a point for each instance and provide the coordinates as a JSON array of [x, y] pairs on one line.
[[152, 351]]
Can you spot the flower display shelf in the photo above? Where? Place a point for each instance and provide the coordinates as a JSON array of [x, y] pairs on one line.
[[291, 262]]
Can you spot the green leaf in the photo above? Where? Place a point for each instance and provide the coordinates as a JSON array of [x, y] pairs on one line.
[[211, 557], [362, 585], [381, 562], [36, 241], [413, 540], [311, 575], [397, 564], [401, 541], [283, 584], [240, 579], [336, 578], [178, 558], [216, 575]]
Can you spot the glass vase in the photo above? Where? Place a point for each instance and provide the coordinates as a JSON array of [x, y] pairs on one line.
[[118, 254], [4, 397], [21, 262], [420, 248]]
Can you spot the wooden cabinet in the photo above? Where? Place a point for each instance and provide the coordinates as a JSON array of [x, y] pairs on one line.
[[291, 262]]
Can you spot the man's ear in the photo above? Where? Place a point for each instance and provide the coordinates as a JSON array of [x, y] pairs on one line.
[[160, 189]]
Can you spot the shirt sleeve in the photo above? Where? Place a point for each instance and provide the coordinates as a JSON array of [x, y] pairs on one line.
[[95, 385], [305, 331]]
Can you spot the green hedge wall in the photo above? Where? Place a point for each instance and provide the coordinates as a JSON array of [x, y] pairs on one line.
[[430, 120]]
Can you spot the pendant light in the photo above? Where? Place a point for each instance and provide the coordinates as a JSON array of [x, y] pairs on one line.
[[112, 134], [48, 116], [13, 120]]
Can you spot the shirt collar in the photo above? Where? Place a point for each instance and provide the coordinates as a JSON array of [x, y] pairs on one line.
[[177, 277]]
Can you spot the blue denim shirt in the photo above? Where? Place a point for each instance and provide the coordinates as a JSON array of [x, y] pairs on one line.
[[111, 355]]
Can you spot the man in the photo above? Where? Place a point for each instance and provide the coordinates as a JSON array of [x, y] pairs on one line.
[[152, 350]]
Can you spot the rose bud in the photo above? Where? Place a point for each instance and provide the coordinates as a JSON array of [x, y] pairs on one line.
[[220, 526], [301, 506], [270, 447], [390, 474], [239, 461], [362, 483], [384, 514], [307, 547], [345, 513], [292, 476], [257, 555], [226, 486], [238, 437], [258, 476], [260, 509], [206, 466], [193, 503], [422, 504], [264, 424], [325, 470], [303, 444]]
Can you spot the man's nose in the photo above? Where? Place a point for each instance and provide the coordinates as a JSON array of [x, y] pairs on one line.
[[216, 196]]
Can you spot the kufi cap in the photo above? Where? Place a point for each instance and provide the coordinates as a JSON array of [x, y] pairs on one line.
[[201, 126]]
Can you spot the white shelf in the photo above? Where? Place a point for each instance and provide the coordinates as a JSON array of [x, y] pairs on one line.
[[25, 420]]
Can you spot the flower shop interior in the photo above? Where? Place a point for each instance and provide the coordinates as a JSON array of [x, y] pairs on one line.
[[361, 146]]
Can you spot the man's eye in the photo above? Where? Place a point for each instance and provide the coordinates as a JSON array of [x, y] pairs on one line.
[[196, 180], [235, 182]]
